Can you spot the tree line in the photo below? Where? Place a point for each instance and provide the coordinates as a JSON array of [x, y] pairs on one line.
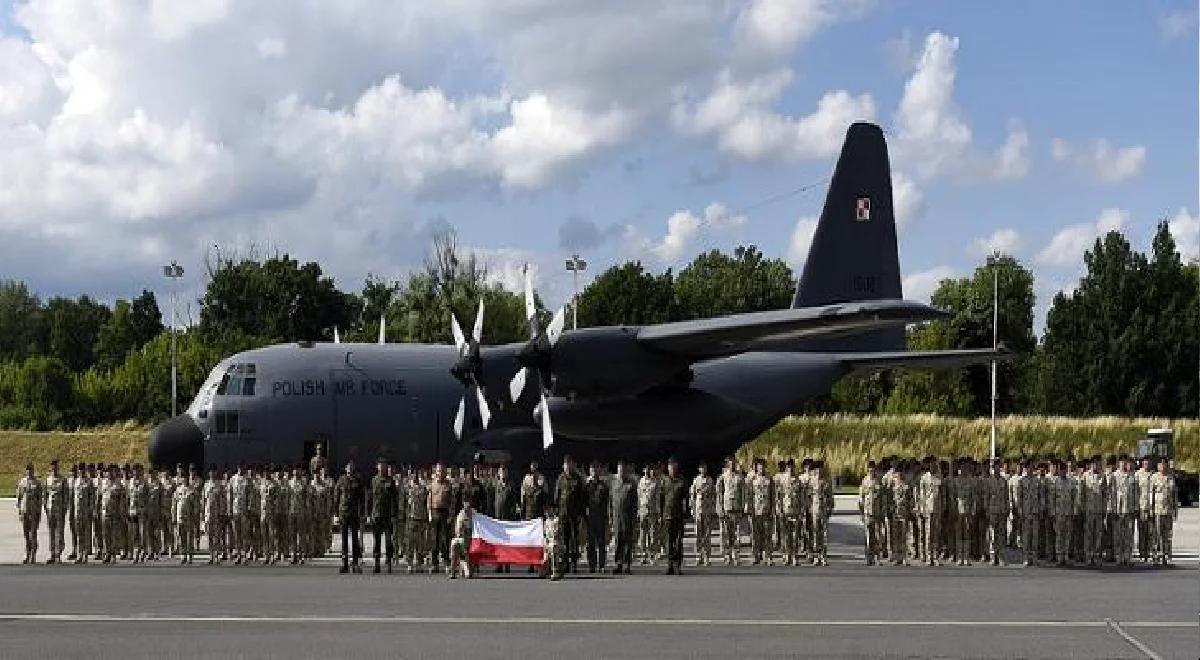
[[1123, 342]]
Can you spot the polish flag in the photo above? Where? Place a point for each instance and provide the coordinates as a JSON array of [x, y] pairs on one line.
[[506, 542]]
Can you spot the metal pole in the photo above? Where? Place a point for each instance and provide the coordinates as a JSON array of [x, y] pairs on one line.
[[174, 348], [995, 340], [575, 298]]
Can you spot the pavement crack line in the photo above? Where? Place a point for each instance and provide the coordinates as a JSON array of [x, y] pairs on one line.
[[1115, 626]]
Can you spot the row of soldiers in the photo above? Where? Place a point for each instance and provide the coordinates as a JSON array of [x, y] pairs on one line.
[[1057, 511], [928, 510], [128, 513]]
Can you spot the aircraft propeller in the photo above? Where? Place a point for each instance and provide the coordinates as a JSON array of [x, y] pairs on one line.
[[536, 357], [469, 369]]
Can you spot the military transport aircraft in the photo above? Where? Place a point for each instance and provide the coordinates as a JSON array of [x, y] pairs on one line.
[[696, 390]]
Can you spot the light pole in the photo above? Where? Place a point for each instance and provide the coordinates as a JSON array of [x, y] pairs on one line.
[[995, 338], [576, 266], [173, 272]]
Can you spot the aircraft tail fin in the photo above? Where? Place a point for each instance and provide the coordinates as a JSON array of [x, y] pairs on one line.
[[853, 255]]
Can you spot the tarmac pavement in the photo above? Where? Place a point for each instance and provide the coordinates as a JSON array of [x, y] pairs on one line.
[[844, 610]]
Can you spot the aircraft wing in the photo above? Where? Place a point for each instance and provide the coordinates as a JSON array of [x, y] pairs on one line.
[[949, 359], [727, 335]]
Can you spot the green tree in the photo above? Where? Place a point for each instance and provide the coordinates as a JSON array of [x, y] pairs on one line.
[[275, 300], [454, 281], [628, 295], [1124, 342], [74, 329], [715, 284], [145, 318], [970, 302], [23, 329], [116, 336]]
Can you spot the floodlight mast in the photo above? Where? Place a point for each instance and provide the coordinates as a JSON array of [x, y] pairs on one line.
[[174, 272], [576, 266]]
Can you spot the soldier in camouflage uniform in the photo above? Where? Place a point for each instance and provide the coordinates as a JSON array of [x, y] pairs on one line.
[[83, 506], [56, 501], [400, 516], [1014, 487], [901, 501], [268, 502], [962, 495], [702, 498], [349, 498], [789, 512], [596, 500], [731, 498], [649, 499], [460, 542], [239, 514], [1145, 510], [1095, 491], [553, 532], [112, 511], [154, 505], [1030, 506], [322, 512], [184, 510], [1062, 499], [1165, 506], [215, 505], [1123, 496], [138, 514], [871, 506], [996, 490], [624, 513], [820, 509], [930, 502], [417, 516], [674, 511], [29, 509], [760, 507], [806, 525], [381, 509]]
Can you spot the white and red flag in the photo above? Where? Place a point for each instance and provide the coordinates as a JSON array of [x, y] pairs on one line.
[[506, 542]]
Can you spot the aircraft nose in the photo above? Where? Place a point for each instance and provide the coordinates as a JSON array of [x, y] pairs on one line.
[[176, 441]]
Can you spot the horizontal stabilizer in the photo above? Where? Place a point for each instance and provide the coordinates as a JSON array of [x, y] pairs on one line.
[[952, 359], [728, 335]]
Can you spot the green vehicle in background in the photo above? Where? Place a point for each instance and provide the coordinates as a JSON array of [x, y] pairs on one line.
[[1159, 445]]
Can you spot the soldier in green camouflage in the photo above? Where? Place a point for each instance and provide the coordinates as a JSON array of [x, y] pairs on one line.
[[872, 503], [381, 509], [29, 510], [349, 504], [417, 494]]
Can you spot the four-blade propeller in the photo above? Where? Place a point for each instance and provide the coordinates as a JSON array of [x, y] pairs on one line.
[[536, 357], [469, 370]]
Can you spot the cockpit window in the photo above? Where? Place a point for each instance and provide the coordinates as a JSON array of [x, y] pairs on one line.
[[239, 380]]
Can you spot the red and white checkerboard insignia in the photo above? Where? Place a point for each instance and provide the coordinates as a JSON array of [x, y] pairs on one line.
[[862, 209]]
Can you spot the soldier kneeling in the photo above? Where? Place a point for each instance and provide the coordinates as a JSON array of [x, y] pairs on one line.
[[463, 527], [552, 529]]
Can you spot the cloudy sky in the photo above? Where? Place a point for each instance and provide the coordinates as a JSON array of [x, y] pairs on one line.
[[134, 132]]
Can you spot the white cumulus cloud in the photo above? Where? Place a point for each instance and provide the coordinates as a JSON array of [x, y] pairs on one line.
[[934, 138], [740, 116], [1185, 228], [802, 238], [1100, 159], [908, 202], [684, 226], [922, 284], [1067, 246], [1004, 241]]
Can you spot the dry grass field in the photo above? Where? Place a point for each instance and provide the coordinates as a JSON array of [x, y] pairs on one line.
[[846, 442], [110, 444]]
